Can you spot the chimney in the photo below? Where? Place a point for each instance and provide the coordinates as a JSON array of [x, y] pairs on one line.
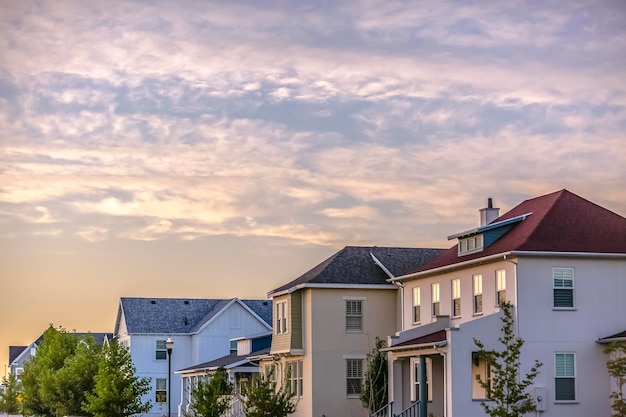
[[489, 214]]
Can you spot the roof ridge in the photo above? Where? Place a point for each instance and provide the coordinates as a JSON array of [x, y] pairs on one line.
[[542, 219]]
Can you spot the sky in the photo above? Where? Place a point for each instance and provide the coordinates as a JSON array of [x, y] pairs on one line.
[[217, 149]]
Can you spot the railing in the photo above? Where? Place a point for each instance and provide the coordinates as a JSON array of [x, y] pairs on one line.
[[235, 408], [411, 411], [385, 411]]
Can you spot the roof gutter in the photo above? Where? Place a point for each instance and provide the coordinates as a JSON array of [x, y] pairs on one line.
[[506, 256], [272, 294], [607, 341], [429, 345]]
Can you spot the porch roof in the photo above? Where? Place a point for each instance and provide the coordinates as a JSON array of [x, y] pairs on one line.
[[229, 361], [618, 337], [437, 337]]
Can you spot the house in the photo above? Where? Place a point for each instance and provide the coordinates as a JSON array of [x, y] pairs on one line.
[[201, 330], [327, 320], [239, 366], [19, 355], [560, 260]]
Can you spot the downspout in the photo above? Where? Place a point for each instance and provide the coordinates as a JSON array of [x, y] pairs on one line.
[[399, 284], [516, 292]]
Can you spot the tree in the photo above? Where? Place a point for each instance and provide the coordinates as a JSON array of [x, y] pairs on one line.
[[616, 365], [209, 398], [374, 391], [264, 400], [505, 388], [118, 390], [9, 398]]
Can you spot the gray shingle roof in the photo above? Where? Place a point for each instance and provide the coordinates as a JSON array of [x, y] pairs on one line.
[[224, 361], [180, 315], [14, 352], [354, 265]]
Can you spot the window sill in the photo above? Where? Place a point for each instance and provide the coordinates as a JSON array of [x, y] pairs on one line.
[[417, 323], [355, 331], [564, 309], [455, 317], [565, 402], [477, 314]]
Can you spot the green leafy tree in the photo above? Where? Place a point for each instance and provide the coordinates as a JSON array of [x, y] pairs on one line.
[[265, 400], [374, 391], [616, 365], [210, 398], [41, 391], [9, 402], [118, 390], [506, 389]]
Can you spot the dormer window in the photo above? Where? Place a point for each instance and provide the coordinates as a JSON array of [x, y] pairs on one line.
[[470, 244]]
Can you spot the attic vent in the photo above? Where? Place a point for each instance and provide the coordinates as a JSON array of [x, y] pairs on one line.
[[186, 302], [264, 303], [152, 301], [185, 321]]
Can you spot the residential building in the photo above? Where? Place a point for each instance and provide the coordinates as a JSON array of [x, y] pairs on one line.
[[201, 330], [19, 355], [239, 366], [327, 320], [560, 260]]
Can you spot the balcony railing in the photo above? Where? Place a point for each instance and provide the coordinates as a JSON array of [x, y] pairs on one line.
[[387, 411]]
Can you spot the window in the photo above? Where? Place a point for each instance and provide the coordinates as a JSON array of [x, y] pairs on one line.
[[480, 367], [161, 390], [563, 279], [270, 372], [233, 346], [161, 350], [435, 301], [417, 301], [456, 298], [354, 315], [354, 377], [470, 245], [564, 377], [295, 377], [281, 317], [500, 286], [478, 294], [415, 377]]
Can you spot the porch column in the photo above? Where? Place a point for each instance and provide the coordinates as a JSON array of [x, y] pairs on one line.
[[423, 388], [395, 387]]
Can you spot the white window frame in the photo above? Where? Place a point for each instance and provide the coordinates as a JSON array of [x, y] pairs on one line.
[[417, 305], [281, 317], [160, 392], [572, 376], [456, 298], [353, 374], [470, 245], [500, 286], [295, 377], [415, 364], [435, 291], [477, 284], [354, 315], [160, 348], [562, 286]]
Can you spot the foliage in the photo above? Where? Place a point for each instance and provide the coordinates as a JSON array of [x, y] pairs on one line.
[[616, 365], [56, 379], [117, 391], [374, 392], [505, 388], [265, 400], [9, 402], [209, 398]]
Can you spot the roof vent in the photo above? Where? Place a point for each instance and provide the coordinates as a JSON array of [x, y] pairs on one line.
[[264, 303], [186, 302], [152, 301], [185, 321]]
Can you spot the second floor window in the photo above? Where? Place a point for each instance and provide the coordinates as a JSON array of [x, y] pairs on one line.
[[417, 305], [500, 286], [478, 294], [435, 299], [354, 315], [456, 297], [161, 350], [281, 317], [563, 281]]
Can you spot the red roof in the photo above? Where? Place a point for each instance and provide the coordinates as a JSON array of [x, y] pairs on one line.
[[438, 336], [560, 222]]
